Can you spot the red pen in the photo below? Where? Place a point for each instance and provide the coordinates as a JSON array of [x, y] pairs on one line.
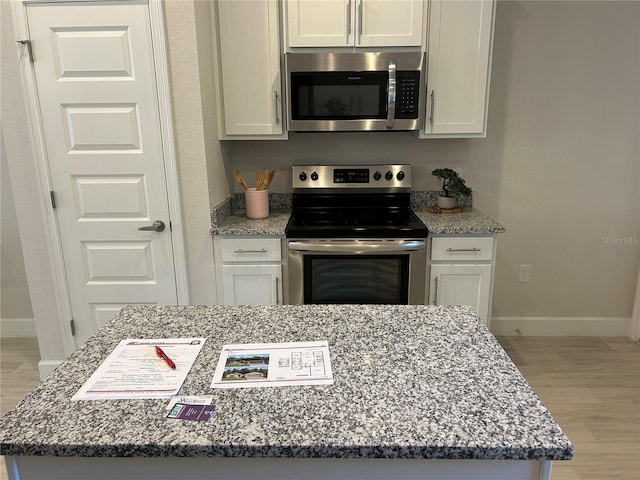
[[163, 356]]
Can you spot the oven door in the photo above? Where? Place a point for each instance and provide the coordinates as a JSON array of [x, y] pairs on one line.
[[357, 271]]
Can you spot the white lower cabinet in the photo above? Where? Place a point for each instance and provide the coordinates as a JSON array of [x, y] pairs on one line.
[[249, 270], [461, 272], [252, 284], [462, 285]]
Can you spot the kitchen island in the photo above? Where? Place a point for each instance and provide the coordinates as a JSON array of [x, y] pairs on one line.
[[419, 392]]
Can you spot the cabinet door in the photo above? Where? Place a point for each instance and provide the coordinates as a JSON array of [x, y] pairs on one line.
[[250, 67], [320, 23], [252, 284], [389, 23], [459, 52], [461, 285]]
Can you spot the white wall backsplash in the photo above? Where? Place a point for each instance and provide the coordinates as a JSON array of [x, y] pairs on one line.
[[353, 148]]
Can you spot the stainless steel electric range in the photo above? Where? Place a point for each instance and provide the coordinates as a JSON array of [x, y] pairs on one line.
[[353, 238]]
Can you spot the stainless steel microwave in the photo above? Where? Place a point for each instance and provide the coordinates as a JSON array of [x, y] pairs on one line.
[[355, 91]]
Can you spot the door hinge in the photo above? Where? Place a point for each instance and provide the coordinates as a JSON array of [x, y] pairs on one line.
[[53, 198], [170, 227], [73, 327], [27, 43]]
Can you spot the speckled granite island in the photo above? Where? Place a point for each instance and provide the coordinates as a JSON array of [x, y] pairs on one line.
[[420, 392]]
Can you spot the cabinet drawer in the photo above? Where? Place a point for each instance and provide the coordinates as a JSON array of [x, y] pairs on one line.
[[462, 249], [250, 249]]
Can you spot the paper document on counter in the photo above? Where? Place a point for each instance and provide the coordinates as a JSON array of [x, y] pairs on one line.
[[273, 365], [135, 370]]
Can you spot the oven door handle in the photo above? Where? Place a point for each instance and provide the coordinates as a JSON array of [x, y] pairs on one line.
[[357, 247]]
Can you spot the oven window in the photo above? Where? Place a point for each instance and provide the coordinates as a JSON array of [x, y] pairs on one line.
[[381, 279]]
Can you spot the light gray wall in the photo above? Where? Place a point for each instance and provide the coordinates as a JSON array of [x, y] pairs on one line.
[[198, 157], [27, 197], [560, 166], [15, 304]]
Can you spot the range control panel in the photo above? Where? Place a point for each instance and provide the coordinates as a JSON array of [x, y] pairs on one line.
[[351, 176]]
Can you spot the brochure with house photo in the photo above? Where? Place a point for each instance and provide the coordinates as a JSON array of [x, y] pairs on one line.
[[273, 365]]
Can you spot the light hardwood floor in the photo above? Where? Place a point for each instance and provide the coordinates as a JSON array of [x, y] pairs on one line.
[[19, 359], [591, 386]]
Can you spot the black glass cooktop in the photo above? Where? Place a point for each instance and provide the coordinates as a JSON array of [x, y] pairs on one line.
[[349, 216]]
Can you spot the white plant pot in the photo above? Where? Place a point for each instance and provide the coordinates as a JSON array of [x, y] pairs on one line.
[[446, 203]]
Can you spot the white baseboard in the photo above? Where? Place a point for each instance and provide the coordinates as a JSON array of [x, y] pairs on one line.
[[17, 327], [45, 367], [561, 326]]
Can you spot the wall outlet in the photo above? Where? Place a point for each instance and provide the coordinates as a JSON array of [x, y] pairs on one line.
[[524, 276]]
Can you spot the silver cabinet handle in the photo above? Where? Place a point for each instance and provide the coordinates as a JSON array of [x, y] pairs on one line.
[[262, 250], [275, 290], [157, 226], [435, 291], [433, 99], [277, 105], [391, 95], [360, 21], [464, 249], [348, 21]]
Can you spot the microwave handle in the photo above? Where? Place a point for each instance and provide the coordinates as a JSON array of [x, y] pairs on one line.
[[391, 95]]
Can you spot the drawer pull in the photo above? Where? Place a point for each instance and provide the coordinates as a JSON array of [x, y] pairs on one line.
[[464, 249], [262, 250]]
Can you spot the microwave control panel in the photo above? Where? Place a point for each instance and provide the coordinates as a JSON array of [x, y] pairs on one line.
[[408, 86]]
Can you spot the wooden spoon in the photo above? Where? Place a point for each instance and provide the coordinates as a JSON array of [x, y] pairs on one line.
[[269, 179], [259, 179], [240, 179]]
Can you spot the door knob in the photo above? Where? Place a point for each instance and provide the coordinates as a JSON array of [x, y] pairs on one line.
[[157, 226]]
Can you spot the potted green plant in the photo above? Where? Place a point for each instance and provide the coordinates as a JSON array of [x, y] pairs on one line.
[[453, 185]]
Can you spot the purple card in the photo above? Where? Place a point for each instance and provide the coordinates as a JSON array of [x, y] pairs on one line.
[[184, 411]]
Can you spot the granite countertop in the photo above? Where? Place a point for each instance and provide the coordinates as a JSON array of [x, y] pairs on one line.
[[273, 225], [410, 382], [469, 222]]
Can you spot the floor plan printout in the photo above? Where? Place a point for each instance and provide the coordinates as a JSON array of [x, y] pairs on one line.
[[273, 365]]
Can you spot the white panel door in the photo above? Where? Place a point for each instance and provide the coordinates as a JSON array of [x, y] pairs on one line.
[[252, 284], [462, 285], [99, 112]]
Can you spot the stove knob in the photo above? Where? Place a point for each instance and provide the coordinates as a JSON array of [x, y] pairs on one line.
[[400, 176], [314, 176], [388, 176], [303, 176], [377, 176]]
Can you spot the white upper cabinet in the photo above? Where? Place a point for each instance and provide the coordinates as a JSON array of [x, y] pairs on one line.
[[459, 63], [359, 23], [248, 66]]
